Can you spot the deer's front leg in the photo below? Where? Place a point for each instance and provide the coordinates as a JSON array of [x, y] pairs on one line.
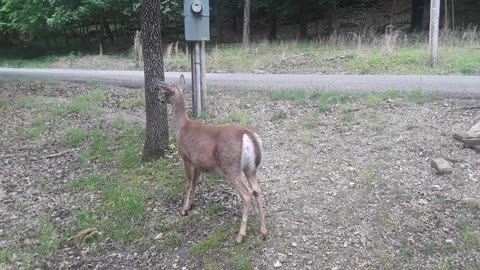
[[189, 173]]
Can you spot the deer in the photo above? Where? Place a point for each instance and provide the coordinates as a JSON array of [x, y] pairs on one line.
[[231, 150]]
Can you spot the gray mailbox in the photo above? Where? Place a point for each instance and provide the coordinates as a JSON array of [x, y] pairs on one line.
[[197, 20]]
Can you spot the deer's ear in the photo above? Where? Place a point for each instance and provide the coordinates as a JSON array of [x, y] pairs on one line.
[[181, 81]]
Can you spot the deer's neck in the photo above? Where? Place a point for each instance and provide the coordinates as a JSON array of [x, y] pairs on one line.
[[180, 116]]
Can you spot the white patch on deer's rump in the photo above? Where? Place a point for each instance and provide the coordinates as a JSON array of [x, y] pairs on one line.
[[248, 154]]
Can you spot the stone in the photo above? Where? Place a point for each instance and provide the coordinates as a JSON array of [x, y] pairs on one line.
[[277, 264], [441, 166], [461, 136], [474, 131], [471, 142]]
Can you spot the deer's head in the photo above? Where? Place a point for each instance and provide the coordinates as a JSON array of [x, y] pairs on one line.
[[171, 94]]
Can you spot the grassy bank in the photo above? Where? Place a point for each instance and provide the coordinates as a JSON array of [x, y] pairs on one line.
[[394, 53]]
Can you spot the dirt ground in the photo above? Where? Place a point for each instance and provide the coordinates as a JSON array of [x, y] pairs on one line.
[[347, 181]]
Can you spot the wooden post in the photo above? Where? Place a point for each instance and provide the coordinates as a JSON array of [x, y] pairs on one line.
[[434, 31], [203, 77]]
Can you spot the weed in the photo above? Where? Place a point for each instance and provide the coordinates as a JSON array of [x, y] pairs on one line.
[[419, 97], [124, 202], [311, 120], [75, 136], [298, 96], [213, 209], [308, 138], [212, 242], [130, 159], [121, 123], [132, 102], [331, 97], [347, 117], [239, 118], [34, 132], [369, 175], [172, 240], [240, 259], [86, 219], [280, 115], [26, 101], [373, 99], [214, 177], [324, 108], [89, 182], [77, 106]]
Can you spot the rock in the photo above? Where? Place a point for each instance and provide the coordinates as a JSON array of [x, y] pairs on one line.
[[474, 131], [294, 244], [277, 264], [471, 142], [158, 236], [449, 241], [441, 166], [461, 136], [422, 201]]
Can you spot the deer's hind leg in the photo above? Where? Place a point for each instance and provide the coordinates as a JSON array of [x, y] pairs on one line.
[[257, 193], [239, 183]]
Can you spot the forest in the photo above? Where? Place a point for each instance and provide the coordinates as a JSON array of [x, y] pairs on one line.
[[87, 24]]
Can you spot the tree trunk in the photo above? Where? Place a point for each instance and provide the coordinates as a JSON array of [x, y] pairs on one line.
[[107, 30], [273, 26], [65, 33], [218, 26], [156, 140], [303, 27], [418, 9], [246, 24], [332, 18]]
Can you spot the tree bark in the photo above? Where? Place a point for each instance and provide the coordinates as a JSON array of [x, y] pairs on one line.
[[273, 27], [332, 18], [246, 24], [418, 9], [156, 140], [303, 27], [108, 31]]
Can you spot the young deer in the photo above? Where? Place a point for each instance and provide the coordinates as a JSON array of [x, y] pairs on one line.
[[232, 150]]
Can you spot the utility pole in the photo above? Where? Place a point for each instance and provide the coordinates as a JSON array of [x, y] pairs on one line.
[[434, 31]]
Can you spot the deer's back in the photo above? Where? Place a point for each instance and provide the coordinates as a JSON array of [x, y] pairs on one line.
[[210, 147]]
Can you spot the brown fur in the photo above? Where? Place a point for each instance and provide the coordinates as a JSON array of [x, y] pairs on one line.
[[215, 149]]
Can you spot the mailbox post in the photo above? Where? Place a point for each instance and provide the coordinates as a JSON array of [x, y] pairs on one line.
[[197, 31]]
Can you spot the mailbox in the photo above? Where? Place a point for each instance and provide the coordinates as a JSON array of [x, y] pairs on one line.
[[197, 20]]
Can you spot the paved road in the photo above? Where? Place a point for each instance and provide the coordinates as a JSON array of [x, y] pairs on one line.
[[446, 84]]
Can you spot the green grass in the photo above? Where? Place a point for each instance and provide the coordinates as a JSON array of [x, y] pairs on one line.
[[26, 101], [45, 242], [33, 132], [89, 182], [173, 240], [132, 102], [331, 97], [239, 118], [75, 136], [130, 159], [298, 96], [212, 242], [418, 96]]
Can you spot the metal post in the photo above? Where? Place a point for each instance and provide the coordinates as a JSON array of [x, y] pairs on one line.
[[203, 78], [198, 85], [434, 32]]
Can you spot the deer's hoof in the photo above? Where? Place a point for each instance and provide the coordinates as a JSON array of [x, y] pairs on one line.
[[263, 236], [239, 239], [184, 212]]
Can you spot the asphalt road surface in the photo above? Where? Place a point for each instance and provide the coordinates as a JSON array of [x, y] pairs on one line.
[[351, 83]]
